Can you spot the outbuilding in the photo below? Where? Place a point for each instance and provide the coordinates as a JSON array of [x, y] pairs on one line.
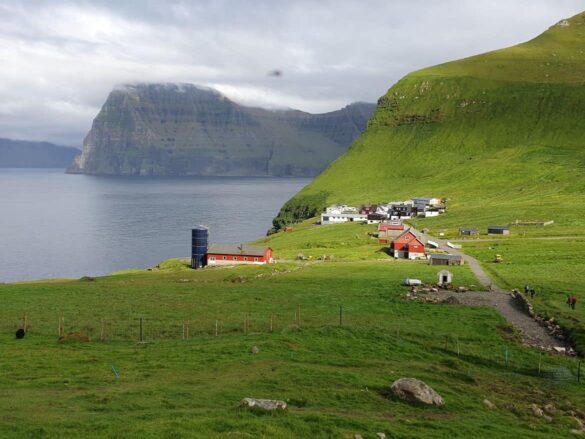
[[224, 254], [440, 259], [498, 230], [468, 231], [407, 246], [445, 277]]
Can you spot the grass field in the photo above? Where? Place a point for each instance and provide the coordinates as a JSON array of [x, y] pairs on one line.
[[334, 377], [553, 268]]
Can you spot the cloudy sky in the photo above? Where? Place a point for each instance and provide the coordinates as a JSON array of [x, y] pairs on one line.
[[59, 59]]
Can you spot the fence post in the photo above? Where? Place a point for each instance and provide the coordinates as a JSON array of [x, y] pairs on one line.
[[141, 336]]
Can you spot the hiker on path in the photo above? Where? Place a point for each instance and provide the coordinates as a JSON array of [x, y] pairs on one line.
[[573, 301]]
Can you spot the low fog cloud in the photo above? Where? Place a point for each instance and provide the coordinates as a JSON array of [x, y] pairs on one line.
[[59, 59]]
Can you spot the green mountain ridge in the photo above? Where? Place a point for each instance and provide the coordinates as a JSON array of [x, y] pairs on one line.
[[183, 130], [500, 135]]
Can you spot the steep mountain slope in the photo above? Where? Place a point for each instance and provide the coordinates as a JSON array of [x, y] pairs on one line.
[[26, 154], [170, 129], [501, 135]]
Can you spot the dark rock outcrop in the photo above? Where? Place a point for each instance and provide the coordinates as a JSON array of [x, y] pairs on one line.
[[184, 130]]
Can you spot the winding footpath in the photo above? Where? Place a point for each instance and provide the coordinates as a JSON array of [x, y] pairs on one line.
[[533, 333]]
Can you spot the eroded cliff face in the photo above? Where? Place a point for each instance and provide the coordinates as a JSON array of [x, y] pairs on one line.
[[184, 130], [27, 154]]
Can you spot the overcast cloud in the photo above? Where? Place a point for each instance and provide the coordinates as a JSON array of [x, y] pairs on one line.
[[59, 59]]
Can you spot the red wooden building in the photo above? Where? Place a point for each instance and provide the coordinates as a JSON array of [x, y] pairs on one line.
[[222, 254], [407, 246], [387, 232]]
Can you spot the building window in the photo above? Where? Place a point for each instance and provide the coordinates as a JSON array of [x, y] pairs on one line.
[[212, 258], [235, 258], [224, 258], [255, 259], [245, 258]]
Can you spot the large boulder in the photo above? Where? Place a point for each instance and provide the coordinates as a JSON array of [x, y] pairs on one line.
[[413, 390], [263, 404]]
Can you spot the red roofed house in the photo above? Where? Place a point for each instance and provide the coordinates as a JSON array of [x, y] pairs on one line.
[[407, 246], [222, 254], [388, 231]]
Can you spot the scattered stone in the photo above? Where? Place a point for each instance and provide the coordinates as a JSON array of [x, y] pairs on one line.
[[357, 436], [451, 300], [381, 435], [490, 405], [20, 334], [413, 390], [255, 350], [563, 23], [73, 337], [536, 410], [578, 432], [547, 418], [550, 409], [559, 349], [263, 404]]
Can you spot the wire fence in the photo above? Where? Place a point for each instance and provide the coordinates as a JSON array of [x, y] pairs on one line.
[[556, 369]]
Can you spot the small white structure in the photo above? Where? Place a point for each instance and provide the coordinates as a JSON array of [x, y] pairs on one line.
[[412, 282], [445, 277], [455, 246], [432, 244], [337, 209], [340, 218]]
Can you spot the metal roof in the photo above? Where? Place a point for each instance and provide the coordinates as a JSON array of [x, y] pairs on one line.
[[499, 227], [242, 249], [446, 257]]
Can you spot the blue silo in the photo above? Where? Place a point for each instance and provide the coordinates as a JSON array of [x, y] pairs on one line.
[[199, 236]]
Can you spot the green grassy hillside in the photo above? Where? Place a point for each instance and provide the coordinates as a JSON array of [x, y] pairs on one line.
[[500, 135], [334, 377]]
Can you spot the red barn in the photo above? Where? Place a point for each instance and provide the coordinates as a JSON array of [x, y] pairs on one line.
[[388, 231], [407, 246], [222, 254]]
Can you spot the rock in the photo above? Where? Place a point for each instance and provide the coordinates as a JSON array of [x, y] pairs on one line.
[[73, 337], [413, 390], [547, 418], [263, 404], [550, 409], [381, 435], [536, 410], [451, 300], [490, 405], [559, 349], [255, 350], [357, 436], [563, 23], [578, 432]]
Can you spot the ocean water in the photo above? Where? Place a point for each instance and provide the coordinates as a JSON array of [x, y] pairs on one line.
[[54, 225]]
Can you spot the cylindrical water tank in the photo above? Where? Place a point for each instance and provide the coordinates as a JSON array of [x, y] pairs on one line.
[[199, 236]]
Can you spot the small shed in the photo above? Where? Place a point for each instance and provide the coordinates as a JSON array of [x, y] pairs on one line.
[[468, 231], [445, 277], [498, 230], [446, 260]]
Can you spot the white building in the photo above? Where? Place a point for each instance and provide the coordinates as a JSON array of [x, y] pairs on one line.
[[339, 218]]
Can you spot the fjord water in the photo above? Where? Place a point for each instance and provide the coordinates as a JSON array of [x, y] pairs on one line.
[[57, 225]]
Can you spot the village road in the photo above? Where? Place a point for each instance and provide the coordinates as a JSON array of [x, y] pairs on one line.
[[532, 333]]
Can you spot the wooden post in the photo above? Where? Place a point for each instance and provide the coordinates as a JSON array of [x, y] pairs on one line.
[[272, 323], [141, 335], [61, 326]]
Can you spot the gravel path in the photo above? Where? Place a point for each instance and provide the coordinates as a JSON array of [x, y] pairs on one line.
[[532, 333]]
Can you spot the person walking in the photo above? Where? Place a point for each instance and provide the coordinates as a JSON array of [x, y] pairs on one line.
[[573, 301], [569, 300]]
